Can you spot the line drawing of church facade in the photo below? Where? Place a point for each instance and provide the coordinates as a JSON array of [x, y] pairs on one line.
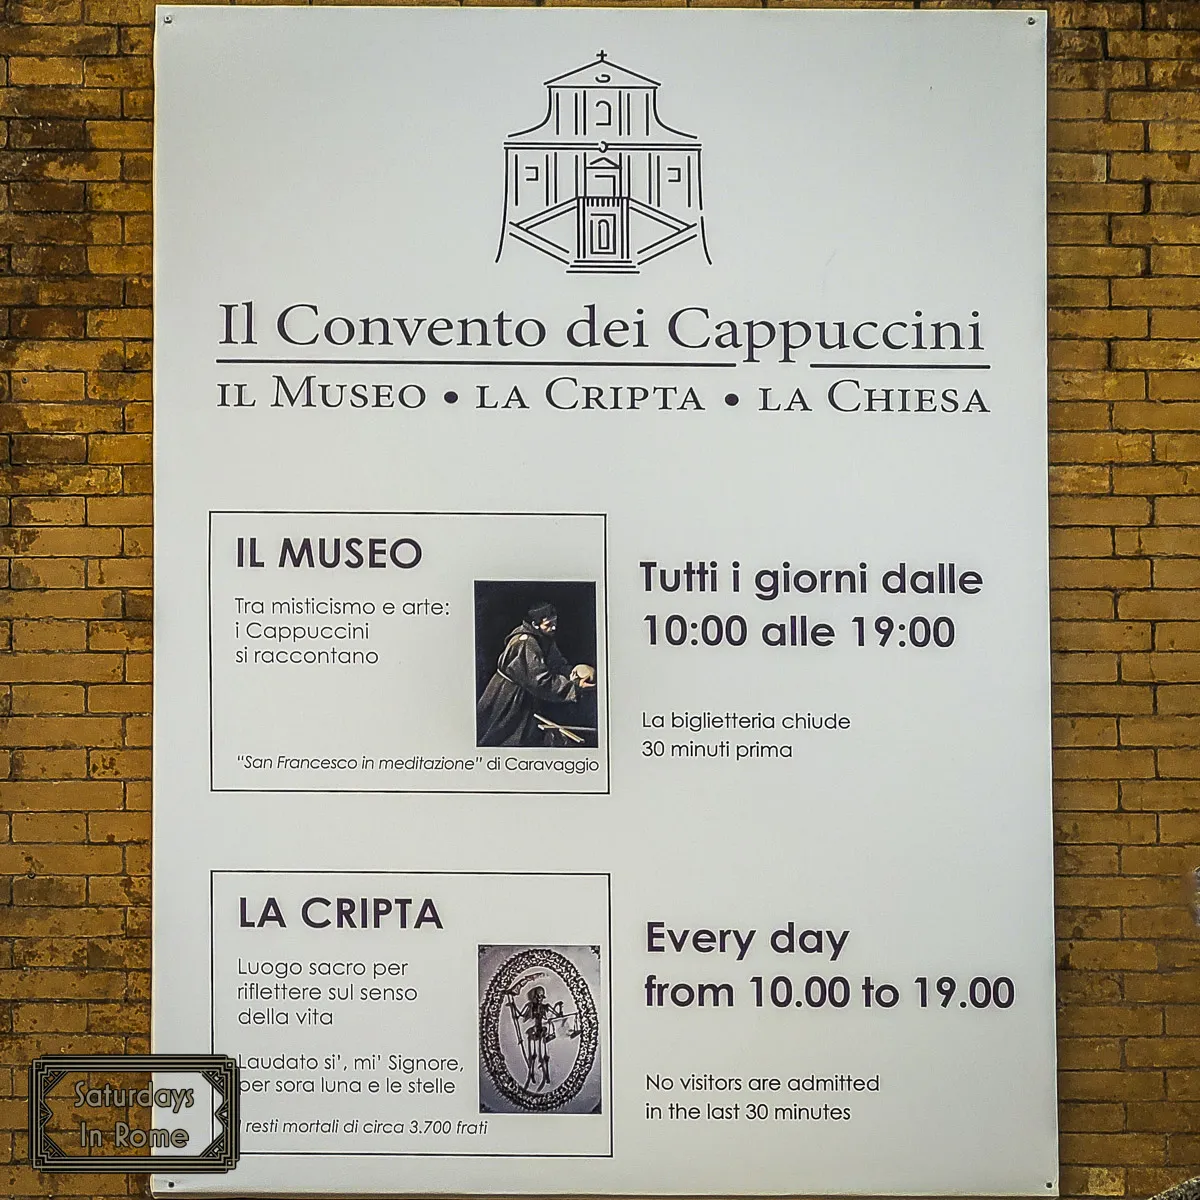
[[602, 184]]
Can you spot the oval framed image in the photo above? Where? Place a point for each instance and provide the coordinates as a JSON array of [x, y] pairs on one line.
[[539, 1029]]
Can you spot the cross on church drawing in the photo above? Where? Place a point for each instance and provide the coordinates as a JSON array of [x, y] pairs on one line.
[[602, 184]]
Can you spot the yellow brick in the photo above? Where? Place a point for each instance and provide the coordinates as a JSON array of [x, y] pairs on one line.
[[1099, 699], [1175, 323], [49, 635], [137, 542], [1175, 260], [1175, 197], [1177, 605], [1154, 45], [119, 260], [1158, 541], [1178, 291], [1149, 1181], [47, 573], [47, 698], [118, 827], [64, 732], [1077, 293], [1176, 510], [1138, 415], [1096, 260], [139, 418], [1065, 105], [120, 510], [135, 135], [47, 510], [1173, 666], [62, 795], [1177, 573], [1095, 135], [47, 385], [119, 197], [1077, 355], [1083, 541], [1064, 447], [1112, 955], [1084, 668], [61, 860], [1085, 731], [1173, 861], [124, 72], [1104, 764], [1154, 106], [1096, 385], [119, 448], [1173, 386], [138, 730], [1100, 573], [50, 827], [79, 985], [1113, 1148], [59, 542], [1099, 510], [138, 795], [121, 572], [25, 72], [119, 764], [1077, 168], [118, 698], [1078, 479], [1086, 795], [120, 322], [1156, 481], [1179, 764], [138, 227], [1098, 323], [1081, 861], [1110, 1085], [138, 481], [60, 418], [1156, 355], [1177, 635], [1160, 731], [59, 1017], [49, 764], [1066, 229], [1095, 198], [1155, 229], [119, 635], [139, 668]]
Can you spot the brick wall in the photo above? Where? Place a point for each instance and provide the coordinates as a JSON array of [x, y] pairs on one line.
[[75, 416]]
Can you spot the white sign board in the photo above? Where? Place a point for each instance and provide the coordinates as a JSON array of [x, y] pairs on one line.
[[602, 724]]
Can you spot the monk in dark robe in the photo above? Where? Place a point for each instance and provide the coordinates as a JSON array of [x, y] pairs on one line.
[[531, 669]]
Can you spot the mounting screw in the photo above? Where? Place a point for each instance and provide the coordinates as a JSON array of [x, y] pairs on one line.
[[168, 19], [1028, 21]]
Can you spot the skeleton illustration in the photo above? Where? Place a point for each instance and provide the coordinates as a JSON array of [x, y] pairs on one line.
[[539, 1029]]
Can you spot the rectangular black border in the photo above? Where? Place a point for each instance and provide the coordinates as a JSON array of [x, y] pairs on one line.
[[336, 512], [222, 1152], [607, 960]]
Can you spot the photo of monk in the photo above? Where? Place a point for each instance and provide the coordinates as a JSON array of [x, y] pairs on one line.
[[535, 653]]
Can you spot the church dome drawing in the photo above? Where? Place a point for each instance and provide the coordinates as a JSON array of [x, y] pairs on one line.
[[602, 183]]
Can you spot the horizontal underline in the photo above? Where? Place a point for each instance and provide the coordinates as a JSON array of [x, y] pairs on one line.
[[457, 362], [902, 366]]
